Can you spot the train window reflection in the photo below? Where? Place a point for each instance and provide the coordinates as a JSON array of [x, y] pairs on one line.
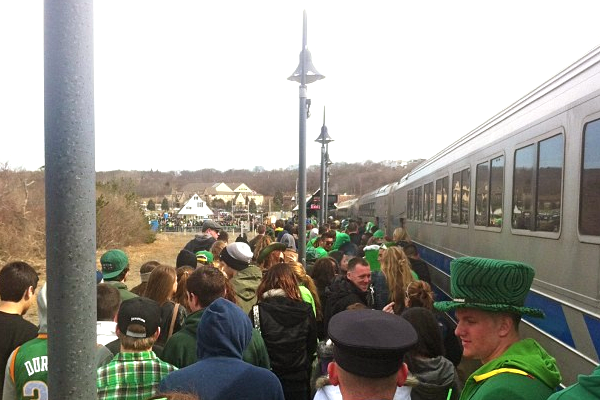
[[409, 204], [537, 184], [441, 200], [417, 200], [461, 187], [549, 184], [589, 214], [497, 192], [490, 190], [428, 209], [482, 192]]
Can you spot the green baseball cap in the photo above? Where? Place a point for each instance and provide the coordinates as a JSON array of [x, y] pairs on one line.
[[113, 263]]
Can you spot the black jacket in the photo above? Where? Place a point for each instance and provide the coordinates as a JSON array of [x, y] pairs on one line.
[[289, 330], [342, 293], [201, 242]]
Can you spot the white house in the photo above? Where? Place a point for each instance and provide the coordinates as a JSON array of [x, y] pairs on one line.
[[196, 208]]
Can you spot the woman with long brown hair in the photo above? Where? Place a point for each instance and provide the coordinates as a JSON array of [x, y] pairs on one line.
[[396, 269], [161, 288], [288, 327]]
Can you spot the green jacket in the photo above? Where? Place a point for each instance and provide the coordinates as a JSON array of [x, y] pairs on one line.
[[245, 283], [500, 378], [587, 387], [123, 291], [180, 349]]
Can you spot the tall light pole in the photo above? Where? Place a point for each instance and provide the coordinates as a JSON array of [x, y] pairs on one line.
[[328, 163], [305, 73], [324, 139]]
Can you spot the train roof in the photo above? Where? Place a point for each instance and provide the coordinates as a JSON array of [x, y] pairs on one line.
[[570, 85]]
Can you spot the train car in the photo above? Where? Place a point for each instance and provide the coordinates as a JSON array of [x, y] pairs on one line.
[[524, 186], [374, 207]]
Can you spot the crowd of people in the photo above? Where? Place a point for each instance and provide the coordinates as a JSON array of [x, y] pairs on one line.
[[246, 320]]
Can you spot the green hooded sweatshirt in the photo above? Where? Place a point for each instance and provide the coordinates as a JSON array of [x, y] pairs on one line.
[[180, 349], [500, 379], [587, 387], [245, 283]]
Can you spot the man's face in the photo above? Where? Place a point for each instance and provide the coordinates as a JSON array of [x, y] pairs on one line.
[[328, 244], [479, 333], [360, 276], [213, 233]]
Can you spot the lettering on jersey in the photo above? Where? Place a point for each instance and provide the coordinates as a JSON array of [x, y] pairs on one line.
[[37, 364]]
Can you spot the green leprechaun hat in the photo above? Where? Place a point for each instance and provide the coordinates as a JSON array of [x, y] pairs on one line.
[[490, 285]]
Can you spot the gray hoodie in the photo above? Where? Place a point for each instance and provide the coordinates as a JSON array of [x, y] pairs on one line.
[[436, 376]]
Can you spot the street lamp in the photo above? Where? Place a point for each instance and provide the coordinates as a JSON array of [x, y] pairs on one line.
[[324, 139], [304, 74], [328, 163]]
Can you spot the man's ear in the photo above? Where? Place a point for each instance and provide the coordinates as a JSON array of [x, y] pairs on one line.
[[332, 372], [157, 333], [28, 293], [402, 375]]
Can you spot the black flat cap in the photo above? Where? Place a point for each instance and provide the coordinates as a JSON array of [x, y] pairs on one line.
[[370, 343]]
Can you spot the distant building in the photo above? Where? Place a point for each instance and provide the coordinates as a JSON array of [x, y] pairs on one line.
[[195, 208], [237, 193]]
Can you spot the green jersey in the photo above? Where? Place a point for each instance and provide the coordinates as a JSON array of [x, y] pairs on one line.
[[29, 369]]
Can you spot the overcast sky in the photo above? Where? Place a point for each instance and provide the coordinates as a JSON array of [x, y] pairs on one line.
[[191, 84]]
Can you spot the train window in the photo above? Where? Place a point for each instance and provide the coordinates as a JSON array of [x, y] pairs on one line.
[[418, 203], [441, 200], [461, 187], [537, 186], [489, 189], [409, 204], [589, 214], [428, 202], [482, 177], [497, 192]]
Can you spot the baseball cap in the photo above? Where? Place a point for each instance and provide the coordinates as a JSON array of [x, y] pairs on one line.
[[204, 256], [139, 311], [113, 263]]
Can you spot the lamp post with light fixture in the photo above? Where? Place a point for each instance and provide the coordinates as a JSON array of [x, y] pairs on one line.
[[324, 139], [305, 73]]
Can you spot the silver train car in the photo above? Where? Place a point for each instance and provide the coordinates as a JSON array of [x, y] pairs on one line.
[[524, 186]]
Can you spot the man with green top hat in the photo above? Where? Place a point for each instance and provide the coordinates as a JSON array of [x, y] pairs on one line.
[[489, 300], [115, 267]]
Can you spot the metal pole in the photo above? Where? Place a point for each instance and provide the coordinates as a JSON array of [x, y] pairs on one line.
[[302, 155], [322, 216], [326, 185], [70, 198]]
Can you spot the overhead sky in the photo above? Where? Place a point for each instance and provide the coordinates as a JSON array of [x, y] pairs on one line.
[[190, 84]]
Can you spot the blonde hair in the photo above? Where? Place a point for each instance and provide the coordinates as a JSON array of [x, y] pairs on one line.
[[216, 249], [260, 245], [308, 283], [419, 294], [396, 268], [401, 234]]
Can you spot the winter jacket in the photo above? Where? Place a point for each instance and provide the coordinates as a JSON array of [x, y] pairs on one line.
[[421, 269], [181, 348], [224, 331], [201, 242], [587, 387], [436, 377], [342, 293], [289, 330], [245, 283], [499, 379], [122, 288], [166, 315]]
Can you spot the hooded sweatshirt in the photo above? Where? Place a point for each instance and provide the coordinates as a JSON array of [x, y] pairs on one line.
[[180, 349], [245, 283], [435, 375], [201, 242], [587, 387], [492, 381], [224, 331]]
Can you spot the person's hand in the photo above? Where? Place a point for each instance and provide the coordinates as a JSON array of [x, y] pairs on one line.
[[389, 308]]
